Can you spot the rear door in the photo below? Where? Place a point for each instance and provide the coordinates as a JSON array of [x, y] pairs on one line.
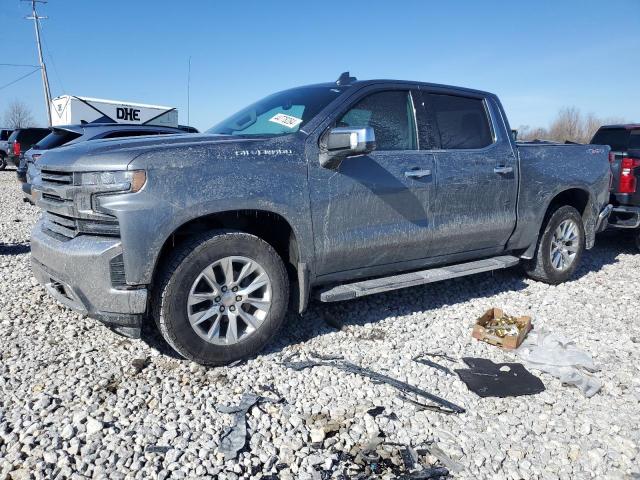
[[373, 210], [475, 174]]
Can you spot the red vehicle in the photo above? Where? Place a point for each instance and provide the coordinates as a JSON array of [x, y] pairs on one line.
[[624, 141]]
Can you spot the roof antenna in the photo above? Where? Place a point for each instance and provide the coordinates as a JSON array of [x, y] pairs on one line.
[[345, 79]]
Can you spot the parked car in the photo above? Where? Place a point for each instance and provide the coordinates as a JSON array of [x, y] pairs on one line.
[[624, 141], [335, 190], [72, 134], [21, 140], [4, 136]]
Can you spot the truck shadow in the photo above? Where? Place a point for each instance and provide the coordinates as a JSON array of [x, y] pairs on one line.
[[324, 318], [14, 248]]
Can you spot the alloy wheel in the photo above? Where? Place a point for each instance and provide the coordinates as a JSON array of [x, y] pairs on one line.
[[229, 300]]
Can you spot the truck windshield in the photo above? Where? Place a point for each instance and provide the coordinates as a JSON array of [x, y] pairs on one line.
[[279, 114]]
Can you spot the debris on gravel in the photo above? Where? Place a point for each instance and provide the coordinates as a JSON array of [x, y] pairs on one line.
[[79, 401]]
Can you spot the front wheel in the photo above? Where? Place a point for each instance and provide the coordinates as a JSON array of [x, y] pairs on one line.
[[221, 297], [560, 247]]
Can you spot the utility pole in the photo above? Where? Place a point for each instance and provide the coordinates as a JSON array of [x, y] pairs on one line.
[[43, 68]]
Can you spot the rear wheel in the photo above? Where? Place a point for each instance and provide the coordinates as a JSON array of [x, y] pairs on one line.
[[3, 161], [560, 247], [221, 297], [637, 238]]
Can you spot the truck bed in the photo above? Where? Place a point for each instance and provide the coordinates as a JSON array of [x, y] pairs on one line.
[[548, 168]]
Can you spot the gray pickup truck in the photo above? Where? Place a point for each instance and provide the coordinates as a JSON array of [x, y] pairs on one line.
[[334, 190]]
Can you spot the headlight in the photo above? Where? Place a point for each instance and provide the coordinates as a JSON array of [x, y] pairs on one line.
[[120, 181]]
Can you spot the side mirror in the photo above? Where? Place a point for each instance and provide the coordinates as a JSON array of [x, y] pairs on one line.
[[342, 142]]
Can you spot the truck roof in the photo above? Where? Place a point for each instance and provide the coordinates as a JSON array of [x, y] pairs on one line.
[[362, 83], [626, 126]]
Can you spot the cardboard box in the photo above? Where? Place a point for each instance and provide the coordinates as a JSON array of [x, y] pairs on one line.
[[510, 342]]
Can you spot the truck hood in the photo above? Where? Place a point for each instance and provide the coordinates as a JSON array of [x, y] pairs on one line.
[[117, 154]]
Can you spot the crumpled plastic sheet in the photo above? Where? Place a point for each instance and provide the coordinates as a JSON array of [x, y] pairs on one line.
[[560, 357], [234, 439]]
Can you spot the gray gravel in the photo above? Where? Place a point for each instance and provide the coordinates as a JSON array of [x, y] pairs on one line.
[[79, 401]]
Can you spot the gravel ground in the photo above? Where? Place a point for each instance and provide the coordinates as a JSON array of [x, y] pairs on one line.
[[79, 401]]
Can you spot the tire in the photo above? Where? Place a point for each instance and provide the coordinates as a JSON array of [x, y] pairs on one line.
[[3, 161], [636, 236], [542, 267], [183, 278]]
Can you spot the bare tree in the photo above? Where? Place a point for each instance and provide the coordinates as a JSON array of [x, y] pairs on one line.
[[18, 115], [569, 125], [528, 134], [591, 126]]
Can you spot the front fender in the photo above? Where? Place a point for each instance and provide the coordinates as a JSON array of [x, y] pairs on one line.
[[175, 196]]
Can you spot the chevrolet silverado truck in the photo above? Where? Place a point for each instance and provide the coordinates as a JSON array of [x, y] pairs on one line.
[[332, 191], [624, 141]]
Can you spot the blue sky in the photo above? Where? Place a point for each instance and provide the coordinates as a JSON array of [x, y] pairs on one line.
[[538, 56]]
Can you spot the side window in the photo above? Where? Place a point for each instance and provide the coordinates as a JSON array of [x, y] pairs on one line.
[[390, 114], [462, 121], [131, 133]]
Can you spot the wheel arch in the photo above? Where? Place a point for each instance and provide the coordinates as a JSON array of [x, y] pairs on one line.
[[577, 197], [270, 226]]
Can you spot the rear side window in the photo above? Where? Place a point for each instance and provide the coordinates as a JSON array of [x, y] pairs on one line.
[[31, 137], [4, 135], [462, 122], [132, 133], [55, 139], [616, 138], [390, 114], [634, 140]]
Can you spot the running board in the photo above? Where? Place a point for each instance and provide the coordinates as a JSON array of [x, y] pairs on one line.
[[385, 284]]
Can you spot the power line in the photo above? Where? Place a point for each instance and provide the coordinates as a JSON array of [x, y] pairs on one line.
[[17, 65], [18, 79]]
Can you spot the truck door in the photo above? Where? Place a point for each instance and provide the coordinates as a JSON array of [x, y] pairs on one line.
[[373, 209], [476, 179]]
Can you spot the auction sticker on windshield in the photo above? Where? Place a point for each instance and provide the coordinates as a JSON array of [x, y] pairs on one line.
[[286, 120]]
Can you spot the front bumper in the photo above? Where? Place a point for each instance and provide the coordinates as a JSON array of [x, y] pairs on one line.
[[625, 217], [77, 273]]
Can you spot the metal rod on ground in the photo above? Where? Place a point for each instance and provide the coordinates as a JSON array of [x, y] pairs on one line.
[[43, 68]]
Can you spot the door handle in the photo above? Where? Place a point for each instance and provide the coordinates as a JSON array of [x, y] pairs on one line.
[[417, 173], [502, 170]]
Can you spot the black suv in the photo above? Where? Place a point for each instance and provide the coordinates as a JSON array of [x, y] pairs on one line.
[[624, 157], [22, 140], [72, 134]]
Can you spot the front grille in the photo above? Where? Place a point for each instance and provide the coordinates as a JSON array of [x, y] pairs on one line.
[[62, 202], [61, 224], [56, 177], [52, 197]]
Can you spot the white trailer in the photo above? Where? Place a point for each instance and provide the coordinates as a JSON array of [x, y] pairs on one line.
[[71, 110]]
